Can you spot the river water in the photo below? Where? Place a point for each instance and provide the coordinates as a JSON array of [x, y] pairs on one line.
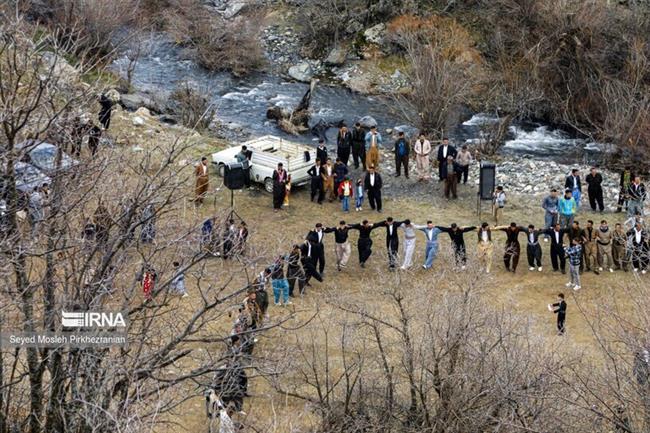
[[163, 66]]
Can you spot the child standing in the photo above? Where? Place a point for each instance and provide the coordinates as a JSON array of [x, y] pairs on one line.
[[575, 256], [359, 195], [345, 192], [559, 308], [287, 191], [498, 203]]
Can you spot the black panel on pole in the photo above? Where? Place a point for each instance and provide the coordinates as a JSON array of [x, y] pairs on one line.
[[487, 180], [234, 176]]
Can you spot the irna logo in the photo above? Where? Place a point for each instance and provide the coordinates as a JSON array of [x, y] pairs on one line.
[[89, 319]]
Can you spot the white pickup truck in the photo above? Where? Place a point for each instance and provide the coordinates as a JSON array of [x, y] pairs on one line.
[[267, 152]]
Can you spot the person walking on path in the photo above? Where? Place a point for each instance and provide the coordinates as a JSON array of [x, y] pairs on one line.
[[485, 247], [444, 151], [559, 308], [343, 144], [595, 189], [401, 150], [346, 192], [431, 246], [604, 246], [359, 146], [342, 246], [422, 149], [533, 248], [364, 243], [636, 197], [202, 181], [567, 209], [573, 183], [513, 249], [464, 161], [373, 185], [280, 179], [456, 234], [574, 252], [373, 142]]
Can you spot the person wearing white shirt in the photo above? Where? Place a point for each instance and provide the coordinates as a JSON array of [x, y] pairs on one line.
[[640, 248], [422, 149], [373, 184]]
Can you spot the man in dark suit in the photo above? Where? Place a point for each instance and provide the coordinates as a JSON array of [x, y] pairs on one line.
[[307, 261], [392, 239], [372, 184], [316, 181], [321, 151], [343, 144], [444, 150], [558, 259], [573, 183], [318, 248]]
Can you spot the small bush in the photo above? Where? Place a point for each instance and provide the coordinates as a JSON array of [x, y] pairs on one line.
[[192, 106], [219, 44]]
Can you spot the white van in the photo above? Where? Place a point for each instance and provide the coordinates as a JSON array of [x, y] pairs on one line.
[[268, 151]]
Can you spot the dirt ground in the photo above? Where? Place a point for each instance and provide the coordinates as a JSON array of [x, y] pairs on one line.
[[272, 233]]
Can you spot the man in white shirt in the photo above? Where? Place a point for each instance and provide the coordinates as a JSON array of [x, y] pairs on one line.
[[444, 150], [373, 184], [422, 149]]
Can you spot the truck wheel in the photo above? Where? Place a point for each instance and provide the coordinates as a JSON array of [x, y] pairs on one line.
[[268, 184], [221, 169]]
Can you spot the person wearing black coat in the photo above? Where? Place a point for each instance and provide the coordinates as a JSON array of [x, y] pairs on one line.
[[106, 107], [458, 240], [392, 239], [321, 151], [359, 146], [451, 171], [559, 308], [318, 248], [308, 262], [343, 144], [445, 150], [279, 187], [572, 182], [372, 184], [316, 181], [364, 243], [558, 259], [595, 190]]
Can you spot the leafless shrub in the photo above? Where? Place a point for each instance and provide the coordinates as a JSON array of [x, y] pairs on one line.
[[219, 44], [193, 106]]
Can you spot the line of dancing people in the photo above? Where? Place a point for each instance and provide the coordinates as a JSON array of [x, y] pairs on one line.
[[592, 248]]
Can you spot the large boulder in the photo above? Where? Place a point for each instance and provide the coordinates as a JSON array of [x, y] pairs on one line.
[[375, 34], [133, 101], [336, 57], [301, 72], [367, 122], [408, 130]]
